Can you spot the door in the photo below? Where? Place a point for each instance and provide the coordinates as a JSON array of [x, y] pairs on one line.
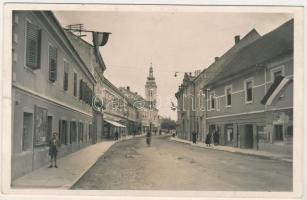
[[27, 131], [249, 136]]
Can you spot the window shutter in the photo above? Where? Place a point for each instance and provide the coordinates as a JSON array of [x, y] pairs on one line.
[[81, 89], [75, 84], [33, 46], [52, 64]]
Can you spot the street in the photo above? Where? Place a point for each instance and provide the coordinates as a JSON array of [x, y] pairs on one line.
[[169, 165]]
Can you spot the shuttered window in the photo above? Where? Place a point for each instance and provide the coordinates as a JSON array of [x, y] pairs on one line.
[[66, 72], [81, 89], [33, 46], [52, 63], [75, 84]]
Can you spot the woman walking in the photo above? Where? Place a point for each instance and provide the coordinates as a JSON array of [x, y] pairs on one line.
[[208, 139]]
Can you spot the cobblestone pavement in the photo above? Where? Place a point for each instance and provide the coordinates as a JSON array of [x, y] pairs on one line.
[[168, 165]]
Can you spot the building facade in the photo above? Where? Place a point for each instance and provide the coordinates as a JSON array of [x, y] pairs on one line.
[[249, 101], [147, 112], [47, 96]]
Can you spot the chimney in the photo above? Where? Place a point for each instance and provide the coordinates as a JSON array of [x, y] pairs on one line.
[[216, 58], [128, 88], [190, 73], [237, 39]]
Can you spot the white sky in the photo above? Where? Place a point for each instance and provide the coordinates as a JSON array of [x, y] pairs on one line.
[[174, 41]]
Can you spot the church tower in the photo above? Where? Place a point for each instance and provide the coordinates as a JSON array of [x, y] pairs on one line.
[[151, 88]]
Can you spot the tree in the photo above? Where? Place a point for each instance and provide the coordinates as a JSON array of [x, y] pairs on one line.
[[168, 123]]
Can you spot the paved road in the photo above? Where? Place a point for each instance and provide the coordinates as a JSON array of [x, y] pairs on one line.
[[170, 165]]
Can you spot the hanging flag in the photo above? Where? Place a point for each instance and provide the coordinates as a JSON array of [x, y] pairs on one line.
[[100, 38]]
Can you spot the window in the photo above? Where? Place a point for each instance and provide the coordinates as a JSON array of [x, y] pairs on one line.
[[277, 72], [81, 89], [66, 72], [228, 92], [52, 63], [212, 99], [63, 131], [75, 84], [33, 46], [248, 91], [27, 131]]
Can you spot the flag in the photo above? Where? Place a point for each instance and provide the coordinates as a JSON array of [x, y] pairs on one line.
[[100, 38]]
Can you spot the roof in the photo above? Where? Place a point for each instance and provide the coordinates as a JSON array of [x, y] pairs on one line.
[[216, 67], [52, 19], [86, 56], [268, 47]]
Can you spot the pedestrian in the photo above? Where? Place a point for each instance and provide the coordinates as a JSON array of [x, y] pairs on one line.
[[53, 151], [216, 137], [148, 138], [208, 139], [116, 135], [194, 135]]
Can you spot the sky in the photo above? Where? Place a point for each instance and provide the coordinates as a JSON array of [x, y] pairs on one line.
[[172, 41]]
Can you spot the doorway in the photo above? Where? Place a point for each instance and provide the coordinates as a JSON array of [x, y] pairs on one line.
[[27, 131], [249, 136]]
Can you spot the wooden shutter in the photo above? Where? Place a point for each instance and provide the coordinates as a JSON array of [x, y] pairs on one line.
[[33, 46], [66, 72], [75, 84], [52, 63], [81, 89]]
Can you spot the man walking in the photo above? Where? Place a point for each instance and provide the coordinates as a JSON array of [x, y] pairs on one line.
[[53, 151]]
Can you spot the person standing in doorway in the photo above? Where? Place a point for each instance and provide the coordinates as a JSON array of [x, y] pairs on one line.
[[53, 151]]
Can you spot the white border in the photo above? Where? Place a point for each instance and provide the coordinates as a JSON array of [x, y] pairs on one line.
[[298, 112]]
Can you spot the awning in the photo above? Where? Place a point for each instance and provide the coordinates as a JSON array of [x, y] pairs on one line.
[[115, 123], [274, 90]]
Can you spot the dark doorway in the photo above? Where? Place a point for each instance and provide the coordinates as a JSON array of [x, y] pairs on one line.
[[249, 136]]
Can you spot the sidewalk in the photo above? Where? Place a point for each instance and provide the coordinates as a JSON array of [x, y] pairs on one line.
[[237, 150], [71, 168]]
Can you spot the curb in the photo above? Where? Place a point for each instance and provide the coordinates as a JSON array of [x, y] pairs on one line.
[[238, 152]]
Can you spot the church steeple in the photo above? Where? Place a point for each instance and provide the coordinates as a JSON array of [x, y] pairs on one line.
[[151, 87]]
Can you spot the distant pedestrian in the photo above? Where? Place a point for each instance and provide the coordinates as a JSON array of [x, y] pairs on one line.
[[53, 151], [116, 135], [208, 139], [148, 138], [216, 137], [194, 136]]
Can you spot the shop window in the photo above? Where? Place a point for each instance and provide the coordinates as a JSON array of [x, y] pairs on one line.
[[278, 133], [27, 131]]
